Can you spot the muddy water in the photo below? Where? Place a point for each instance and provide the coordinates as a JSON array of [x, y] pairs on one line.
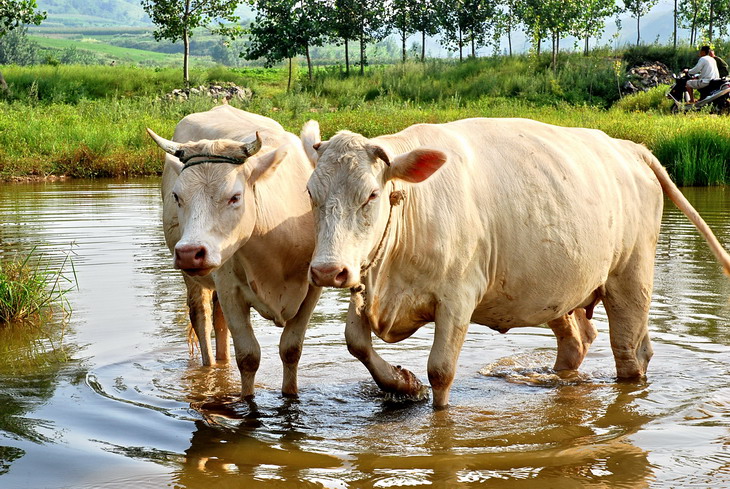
[[115, 400]]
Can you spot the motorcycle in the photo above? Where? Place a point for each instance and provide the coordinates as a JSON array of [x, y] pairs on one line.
[[716, 95]]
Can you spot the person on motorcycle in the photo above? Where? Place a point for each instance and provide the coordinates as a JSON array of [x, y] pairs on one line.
[[722, 67], [706, 69]]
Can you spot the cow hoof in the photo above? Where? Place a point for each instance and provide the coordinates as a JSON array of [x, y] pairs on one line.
[[407, 387]]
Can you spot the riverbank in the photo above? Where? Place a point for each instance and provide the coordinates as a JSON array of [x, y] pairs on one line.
[[93, 135]]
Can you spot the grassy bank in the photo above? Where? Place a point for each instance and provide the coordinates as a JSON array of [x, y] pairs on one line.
[[89, 121]]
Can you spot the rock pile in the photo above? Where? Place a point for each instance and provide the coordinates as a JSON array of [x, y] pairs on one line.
[[649, 75], [228, 91]]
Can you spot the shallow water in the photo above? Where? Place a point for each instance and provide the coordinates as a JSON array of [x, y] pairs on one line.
[[115, 400]]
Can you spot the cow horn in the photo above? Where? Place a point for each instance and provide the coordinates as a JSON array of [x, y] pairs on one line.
[[250, 149], [168, 146]]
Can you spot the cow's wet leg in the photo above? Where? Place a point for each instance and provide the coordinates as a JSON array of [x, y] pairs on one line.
[[248, 353], [201, 317], [390, 379], [575, 334], [449, 334], [222, 336], [292, 338], [628, 296]]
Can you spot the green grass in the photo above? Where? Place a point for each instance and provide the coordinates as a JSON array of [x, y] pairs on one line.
[[127, 55], [28, 287], [90, 121]]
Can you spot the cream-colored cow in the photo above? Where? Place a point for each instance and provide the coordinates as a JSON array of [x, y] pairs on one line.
[[515, 223], [238, 221]]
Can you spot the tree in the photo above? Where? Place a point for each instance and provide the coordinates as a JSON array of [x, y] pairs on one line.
[[425, 21], [176, 20], [284, 29], [403, 12], [466, 21], [372, 25], [549, 17], [637, 9], [591, 19], [344, 25], [17, 49], [14, 14], [506, 20]]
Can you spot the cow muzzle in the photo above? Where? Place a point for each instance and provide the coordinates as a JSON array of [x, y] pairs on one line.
[[194, 260], [329, 275]]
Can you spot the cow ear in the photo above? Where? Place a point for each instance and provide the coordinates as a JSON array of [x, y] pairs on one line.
[[417, 165], [310, 137], [262, 167]]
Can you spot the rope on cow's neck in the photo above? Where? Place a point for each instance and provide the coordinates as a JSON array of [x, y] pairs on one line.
[[358, 291]]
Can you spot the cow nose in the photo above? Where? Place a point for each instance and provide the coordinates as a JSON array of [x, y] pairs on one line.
[[329, 275], [190, 256]]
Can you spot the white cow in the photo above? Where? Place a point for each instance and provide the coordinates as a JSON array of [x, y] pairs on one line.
[[237, 218], [525, 223]]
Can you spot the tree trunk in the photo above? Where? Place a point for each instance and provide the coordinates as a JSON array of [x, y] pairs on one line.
[[712, 15], [362, 53], [186, 58], [585, 50], [693, 33], [556, 44], [473, 46], [403, 43], [309, 62], [347, 57], [638, 27], [539, 46], [3, 83], [675, 25], [186, 45], [288, 83], [461, 46], [423, 46], [509, 38]]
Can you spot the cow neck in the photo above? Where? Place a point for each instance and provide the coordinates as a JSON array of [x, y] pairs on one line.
[[358, 291]]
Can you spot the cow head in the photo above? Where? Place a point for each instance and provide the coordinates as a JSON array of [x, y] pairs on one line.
[[350, 206], [214, 194]]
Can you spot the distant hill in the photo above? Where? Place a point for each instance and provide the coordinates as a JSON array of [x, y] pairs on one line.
[[102, 13], [77, 13]]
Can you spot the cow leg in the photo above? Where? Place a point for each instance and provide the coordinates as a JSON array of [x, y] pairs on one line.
[[221, 332], [391, 379], [574, 333], [292, 338], [248, 352], [449, 333], [199, 309], [628, 296]]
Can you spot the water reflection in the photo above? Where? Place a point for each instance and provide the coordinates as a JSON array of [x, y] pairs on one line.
[[125, 405]]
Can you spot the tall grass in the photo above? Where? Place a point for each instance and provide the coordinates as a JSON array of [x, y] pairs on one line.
[[28, 287], [577, 79], [98, 130]]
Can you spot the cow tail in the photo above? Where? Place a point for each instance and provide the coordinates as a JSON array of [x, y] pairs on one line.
[[676, 196]]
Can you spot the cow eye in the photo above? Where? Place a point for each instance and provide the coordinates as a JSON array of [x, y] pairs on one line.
[[177, 199], [374, 195], [235, 199]]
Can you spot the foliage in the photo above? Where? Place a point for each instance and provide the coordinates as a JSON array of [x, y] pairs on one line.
[[177, 19], [28, 287], [16, 48], [466, 22], [284, 29], [637, 9], [15, 13]]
